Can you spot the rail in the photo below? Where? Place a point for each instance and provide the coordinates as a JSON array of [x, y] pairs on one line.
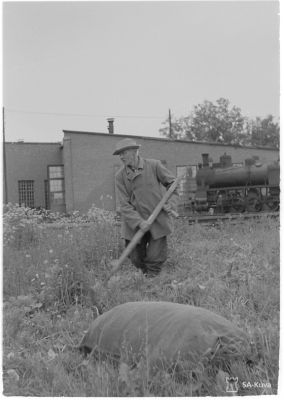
[[235, 217]]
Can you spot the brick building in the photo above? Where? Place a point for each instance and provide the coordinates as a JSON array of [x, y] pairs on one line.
[[80, 171]]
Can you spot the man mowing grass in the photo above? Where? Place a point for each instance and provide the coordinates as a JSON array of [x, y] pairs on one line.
[[140, 186]]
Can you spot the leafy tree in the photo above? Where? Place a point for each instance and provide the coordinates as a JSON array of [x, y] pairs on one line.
[[221, 123], [210, 122], [217, 122], [265, 132], [180, 128]]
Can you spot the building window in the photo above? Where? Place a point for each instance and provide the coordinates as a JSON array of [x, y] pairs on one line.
[[187, 171], [56, 185], [56, 193], [56, 172], [26, 193]]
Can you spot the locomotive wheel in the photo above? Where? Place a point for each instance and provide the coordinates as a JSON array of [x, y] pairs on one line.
[[253, 203], [273, 205], [238, 205]]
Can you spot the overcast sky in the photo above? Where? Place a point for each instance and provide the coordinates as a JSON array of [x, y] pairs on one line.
[[133, 61]]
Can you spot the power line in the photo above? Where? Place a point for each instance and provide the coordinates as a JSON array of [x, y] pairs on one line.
[[82, 115]]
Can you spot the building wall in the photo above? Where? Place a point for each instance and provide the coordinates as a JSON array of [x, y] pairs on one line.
[[90, 165], [89, 171], [29, 161]]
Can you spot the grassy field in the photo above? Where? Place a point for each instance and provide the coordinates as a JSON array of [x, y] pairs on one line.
[[232, 270]]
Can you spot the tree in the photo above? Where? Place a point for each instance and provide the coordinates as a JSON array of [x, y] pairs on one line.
[[217, 122], [180, 128], [265, 132], [210, 122], [221, 123]]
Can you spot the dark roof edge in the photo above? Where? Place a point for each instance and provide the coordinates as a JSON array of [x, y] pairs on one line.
[[171, 140], [23, 143]]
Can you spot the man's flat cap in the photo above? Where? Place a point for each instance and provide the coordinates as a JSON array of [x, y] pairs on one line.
[[125, 144]]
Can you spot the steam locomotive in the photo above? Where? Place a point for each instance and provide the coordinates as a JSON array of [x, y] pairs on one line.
[[227, 188]]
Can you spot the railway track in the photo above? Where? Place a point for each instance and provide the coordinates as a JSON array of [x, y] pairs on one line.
[[234, 217], [192, 219]]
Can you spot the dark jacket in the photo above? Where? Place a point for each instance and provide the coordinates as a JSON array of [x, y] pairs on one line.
[[139, 192]]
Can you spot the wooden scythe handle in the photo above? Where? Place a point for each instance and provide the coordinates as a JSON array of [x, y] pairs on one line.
[[116, 264]]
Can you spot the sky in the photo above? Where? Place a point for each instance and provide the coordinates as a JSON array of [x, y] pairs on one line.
[[72, 65]]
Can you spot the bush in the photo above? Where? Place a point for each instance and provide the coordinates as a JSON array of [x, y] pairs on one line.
[[20, 226]]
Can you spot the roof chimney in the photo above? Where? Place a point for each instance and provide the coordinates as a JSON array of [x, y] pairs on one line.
[[110, 126]]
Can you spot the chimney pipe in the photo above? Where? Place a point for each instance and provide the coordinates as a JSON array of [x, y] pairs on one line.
[[110, 126]]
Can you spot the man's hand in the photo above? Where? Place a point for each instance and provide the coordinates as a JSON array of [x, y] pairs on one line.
[[144, 226], [167, 207]]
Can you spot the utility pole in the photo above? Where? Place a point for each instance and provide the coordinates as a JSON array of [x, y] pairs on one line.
[[170, 124], [4, 161]]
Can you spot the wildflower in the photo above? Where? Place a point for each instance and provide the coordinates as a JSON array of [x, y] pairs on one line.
[[11, 355], [28, 256], [51, 355], [13, 375], [50, 251], [45, 262]]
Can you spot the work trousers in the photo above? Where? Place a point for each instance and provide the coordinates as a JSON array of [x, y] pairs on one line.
[[149, 254]]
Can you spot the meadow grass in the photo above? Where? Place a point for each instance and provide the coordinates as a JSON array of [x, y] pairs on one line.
[[49, 271]]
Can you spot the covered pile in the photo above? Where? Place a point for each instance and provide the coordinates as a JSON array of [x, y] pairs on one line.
[[165, 333]]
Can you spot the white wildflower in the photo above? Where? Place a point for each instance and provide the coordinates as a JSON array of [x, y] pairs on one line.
[[13, 375]]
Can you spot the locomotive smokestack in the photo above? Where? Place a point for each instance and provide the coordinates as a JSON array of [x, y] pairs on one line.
[[110, 126], [205, 159]]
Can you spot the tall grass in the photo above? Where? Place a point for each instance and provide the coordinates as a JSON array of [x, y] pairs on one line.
[[49, 270]]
